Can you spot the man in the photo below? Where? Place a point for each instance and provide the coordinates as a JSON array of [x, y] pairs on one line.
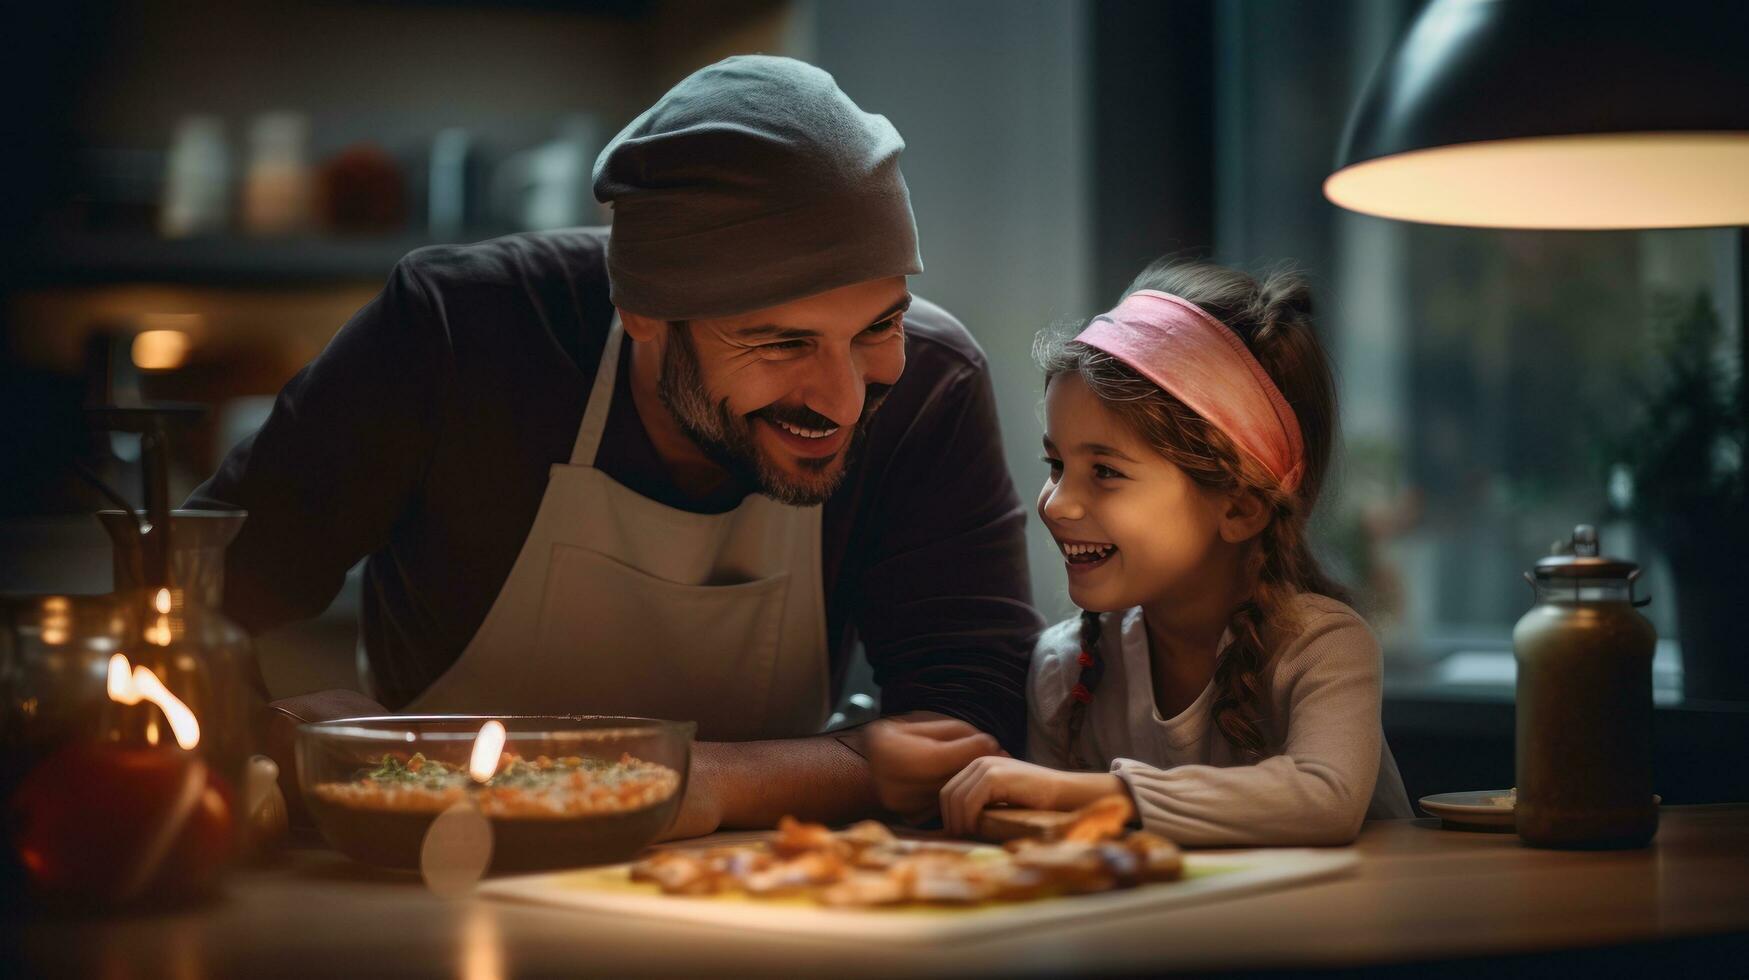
[[678, 470]]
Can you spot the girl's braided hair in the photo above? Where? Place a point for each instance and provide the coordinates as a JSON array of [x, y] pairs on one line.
[[1274, 319]]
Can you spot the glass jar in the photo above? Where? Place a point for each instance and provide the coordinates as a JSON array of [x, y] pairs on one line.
[[277, 186], [1584, 704], [54, 652], [143, 703], [127, 734], [228, 679]]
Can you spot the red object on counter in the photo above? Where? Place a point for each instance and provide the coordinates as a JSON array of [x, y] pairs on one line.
[[105, 823]]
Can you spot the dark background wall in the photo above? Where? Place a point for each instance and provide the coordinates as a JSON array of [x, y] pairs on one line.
[[1153, 145]]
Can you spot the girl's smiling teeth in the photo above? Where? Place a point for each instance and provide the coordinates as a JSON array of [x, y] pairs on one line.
[[1086, 552]]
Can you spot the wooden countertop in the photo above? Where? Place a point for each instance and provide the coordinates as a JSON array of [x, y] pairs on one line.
[[1421, 893]]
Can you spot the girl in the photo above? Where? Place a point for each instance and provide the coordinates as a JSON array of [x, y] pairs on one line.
[[1215, 675]]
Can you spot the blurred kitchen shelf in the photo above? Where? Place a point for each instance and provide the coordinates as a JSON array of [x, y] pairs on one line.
[[226, 261]]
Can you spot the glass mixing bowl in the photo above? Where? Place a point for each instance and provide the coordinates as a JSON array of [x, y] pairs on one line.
[[562, 791]]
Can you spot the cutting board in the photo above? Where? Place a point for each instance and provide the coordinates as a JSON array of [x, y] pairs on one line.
[[1209, 877]]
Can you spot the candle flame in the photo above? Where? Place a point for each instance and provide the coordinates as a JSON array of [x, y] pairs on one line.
[[127, 687], [161, 601], [182, 721], [121, 681], [488, 746]]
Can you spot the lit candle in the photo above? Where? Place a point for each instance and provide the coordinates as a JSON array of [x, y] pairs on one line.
[[457, 848], [115, 822]]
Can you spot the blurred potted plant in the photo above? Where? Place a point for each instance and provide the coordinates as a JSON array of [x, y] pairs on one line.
[[1681, 460]]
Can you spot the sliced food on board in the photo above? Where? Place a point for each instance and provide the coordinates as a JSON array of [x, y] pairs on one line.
[[866, 865]]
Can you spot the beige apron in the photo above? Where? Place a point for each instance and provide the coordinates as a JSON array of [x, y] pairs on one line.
[[621, 605]]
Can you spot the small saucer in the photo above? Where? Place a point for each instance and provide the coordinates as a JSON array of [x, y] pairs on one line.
[[1487, 809]]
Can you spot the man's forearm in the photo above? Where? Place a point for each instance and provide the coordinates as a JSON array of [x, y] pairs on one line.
[[752, 784]]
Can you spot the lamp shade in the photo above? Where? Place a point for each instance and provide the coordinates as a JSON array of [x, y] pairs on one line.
[[1556, 114]]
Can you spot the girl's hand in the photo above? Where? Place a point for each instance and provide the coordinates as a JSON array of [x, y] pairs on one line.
[[997, 780]]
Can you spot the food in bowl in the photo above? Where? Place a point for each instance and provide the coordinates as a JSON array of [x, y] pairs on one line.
[[538, 788], [564, 792]]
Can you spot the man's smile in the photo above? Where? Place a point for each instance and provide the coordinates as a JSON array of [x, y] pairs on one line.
[[797, 430], [806, 442]]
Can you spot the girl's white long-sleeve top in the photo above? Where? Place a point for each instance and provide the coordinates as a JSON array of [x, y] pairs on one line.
[[1331, 769]]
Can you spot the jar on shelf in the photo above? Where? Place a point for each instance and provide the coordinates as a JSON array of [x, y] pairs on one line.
[[277, 188], [197, 180]]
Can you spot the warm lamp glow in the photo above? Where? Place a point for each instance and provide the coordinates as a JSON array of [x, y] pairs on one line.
[[1626, 180], [159, 634], [161, 601], [57, 624], [488, 746], [482, 947], [160, 350]]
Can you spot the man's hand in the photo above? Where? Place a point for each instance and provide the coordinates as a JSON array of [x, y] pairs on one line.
[[281, 732], [910, 756], [1005, 780]]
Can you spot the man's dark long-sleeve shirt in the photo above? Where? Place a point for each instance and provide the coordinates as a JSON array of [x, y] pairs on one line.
[[422, 438]]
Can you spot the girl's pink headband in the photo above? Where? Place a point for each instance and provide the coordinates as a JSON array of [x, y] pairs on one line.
[[1195, 357]]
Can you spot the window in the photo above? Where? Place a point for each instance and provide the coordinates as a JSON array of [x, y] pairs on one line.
[[1481, 373]]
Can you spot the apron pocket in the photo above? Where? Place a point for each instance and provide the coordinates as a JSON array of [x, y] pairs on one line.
[[617, 640]]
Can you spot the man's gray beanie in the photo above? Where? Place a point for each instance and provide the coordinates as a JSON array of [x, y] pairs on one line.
[[752, 183]]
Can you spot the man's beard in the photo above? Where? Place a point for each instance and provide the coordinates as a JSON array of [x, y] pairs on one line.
[[727, 439]]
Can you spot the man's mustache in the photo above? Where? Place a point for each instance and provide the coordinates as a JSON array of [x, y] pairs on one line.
[[803, 417]]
